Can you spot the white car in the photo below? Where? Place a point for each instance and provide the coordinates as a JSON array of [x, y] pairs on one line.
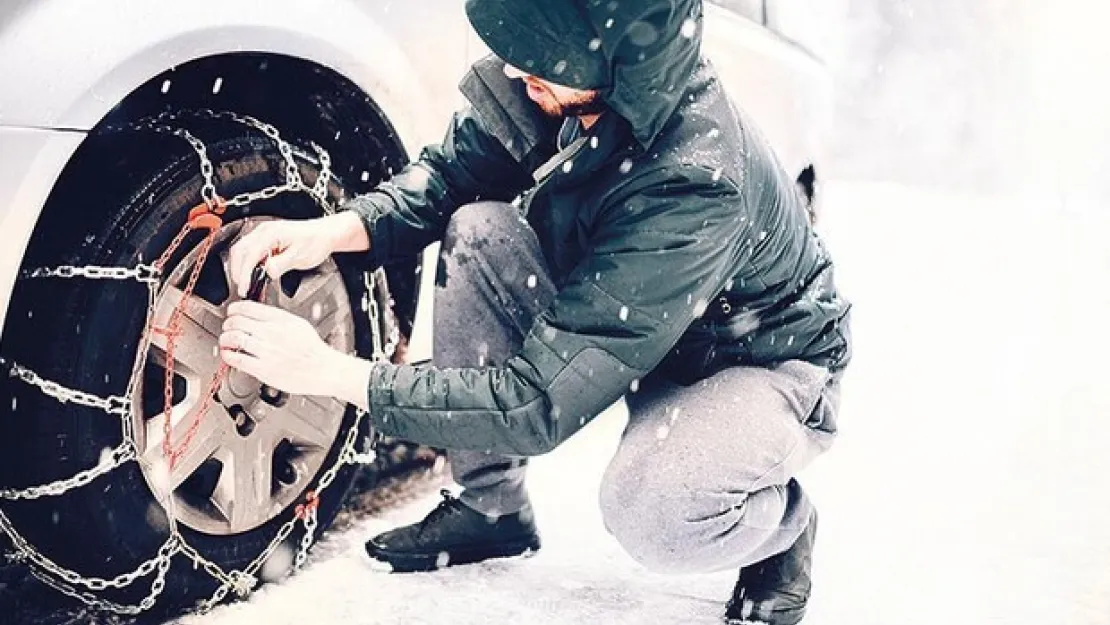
[[120, 123]]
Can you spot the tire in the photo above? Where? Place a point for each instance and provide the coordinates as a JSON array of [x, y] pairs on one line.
[[84, 334]]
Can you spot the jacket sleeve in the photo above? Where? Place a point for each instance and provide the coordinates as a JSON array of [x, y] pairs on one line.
[[658, 256], [411, 210]]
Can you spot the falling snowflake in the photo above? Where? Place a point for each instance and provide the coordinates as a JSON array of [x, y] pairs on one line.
[[560, 67], [634, 386], [595, 44], [156, 517], [700, 308], [216, 86], [626, 166], [278, 565], [567, 166], [594, 142], [689, 28], [623, 314], [532, 281], [663, 432], [717, 174]]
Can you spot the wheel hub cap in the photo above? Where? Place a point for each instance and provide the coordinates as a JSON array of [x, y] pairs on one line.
[[256, 449]]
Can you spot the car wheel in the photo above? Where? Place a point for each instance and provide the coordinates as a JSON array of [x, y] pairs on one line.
[[255, 454]]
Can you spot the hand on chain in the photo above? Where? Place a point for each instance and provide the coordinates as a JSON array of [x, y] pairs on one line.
[[292, 245], [277, 348], [283, 246]]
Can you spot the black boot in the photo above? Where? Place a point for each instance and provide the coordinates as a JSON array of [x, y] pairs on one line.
[[453, 534], [775, 591]]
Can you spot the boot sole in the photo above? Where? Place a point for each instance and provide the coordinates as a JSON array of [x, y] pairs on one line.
[[409, 562]]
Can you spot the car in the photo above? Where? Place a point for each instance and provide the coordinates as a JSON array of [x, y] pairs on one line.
[[138, 141]]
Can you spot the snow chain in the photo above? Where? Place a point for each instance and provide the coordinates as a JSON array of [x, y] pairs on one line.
[[242, 582]]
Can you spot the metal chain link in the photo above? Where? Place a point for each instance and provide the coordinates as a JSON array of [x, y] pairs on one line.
[[143, 273], [319, 190], [113, 405], [307, 538], [243, 581], [25, 552], [125, 452]]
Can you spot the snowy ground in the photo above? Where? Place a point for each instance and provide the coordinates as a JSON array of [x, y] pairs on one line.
[[967, 486]]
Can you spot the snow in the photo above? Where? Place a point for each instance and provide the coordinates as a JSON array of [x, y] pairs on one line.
[[966, 487], [579, 576]]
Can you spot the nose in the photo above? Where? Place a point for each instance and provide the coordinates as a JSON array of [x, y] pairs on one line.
[[514, 72]]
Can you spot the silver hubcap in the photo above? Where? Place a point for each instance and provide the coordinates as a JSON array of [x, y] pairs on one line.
[[256, 449]]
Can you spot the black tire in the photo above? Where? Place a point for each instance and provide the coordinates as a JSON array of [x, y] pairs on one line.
[[84, 334]]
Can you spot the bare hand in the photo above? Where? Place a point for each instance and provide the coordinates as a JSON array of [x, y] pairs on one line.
[[292, 245], [278, 349]]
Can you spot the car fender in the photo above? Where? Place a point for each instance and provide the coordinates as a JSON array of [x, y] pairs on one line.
[[55, 96]]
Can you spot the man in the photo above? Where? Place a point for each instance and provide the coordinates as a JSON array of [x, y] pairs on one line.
[[653, 249]]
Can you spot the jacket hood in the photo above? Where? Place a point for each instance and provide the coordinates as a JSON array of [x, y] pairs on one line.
[[639, 53]]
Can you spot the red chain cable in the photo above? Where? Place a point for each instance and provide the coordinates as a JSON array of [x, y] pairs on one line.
[[208, 218]]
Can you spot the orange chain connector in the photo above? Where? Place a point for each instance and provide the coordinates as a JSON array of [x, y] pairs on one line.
[[311, 503], [201, 217]]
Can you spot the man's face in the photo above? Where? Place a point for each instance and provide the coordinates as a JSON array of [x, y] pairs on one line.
[[557, 100]]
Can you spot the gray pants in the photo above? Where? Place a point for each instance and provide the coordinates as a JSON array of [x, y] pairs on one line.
[[703, 478]]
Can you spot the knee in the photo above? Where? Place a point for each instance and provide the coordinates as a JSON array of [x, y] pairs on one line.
[[474, 225], [477, 248], [655, 523]]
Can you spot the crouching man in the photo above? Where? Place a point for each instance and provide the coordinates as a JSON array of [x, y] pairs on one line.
[[611, 226]]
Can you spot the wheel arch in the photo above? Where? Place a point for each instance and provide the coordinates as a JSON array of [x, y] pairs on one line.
[[76, 93]]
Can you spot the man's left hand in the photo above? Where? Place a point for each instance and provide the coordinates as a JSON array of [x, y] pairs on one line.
[[277, 348]]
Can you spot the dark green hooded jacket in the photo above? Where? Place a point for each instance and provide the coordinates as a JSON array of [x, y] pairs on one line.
[[677, 241]]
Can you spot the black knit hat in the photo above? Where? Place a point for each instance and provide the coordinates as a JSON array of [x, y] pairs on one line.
[[550, 39], [639, 53]]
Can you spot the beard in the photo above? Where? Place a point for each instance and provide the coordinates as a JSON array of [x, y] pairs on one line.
[[587, 104]]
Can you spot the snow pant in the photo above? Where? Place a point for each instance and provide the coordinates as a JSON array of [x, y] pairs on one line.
[[703, 478]]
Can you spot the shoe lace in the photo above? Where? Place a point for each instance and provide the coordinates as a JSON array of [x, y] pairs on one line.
[[449, 505]]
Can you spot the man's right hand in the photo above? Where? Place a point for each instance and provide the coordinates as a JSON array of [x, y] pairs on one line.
[[294, 245]]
